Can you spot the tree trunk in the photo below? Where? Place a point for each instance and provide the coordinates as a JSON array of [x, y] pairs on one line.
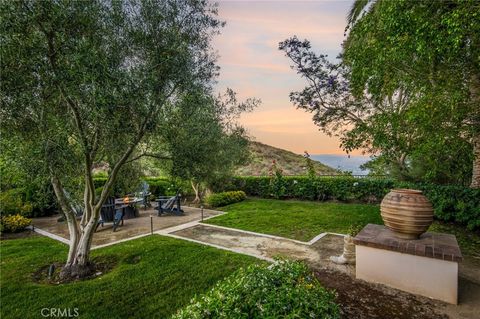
[[476, 162], [196, 189], [73, 228], [80, 266], [81, 234]]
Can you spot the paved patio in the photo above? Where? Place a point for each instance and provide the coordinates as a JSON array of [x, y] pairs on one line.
[[132, 227]]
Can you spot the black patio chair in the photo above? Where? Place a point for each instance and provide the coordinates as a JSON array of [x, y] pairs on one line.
[[109, 213], [169, 204]]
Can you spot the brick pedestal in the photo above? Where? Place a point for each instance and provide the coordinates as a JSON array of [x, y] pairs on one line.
[[426, 266]]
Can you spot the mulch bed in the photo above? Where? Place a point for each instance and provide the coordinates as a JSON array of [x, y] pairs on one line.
[[361, 300], [23, 234], [101, 265]]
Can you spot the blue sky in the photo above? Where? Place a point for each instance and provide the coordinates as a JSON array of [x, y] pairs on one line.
[[252, 65]]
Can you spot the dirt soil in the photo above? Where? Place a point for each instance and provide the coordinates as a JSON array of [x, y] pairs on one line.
[[24, 234], [362, 300], [100, 266]]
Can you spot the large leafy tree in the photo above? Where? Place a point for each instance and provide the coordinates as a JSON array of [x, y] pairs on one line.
[[403, 86], [87, 81], [434, 48], [375, 125]]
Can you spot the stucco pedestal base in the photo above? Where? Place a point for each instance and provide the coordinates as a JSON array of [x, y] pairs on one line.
[[426, 266], [424, 276]]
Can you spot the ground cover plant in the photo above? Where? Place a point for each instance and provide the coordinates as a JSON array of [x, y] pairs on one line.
[[152, 278], [13, 223], [301, 220], [285, 289]]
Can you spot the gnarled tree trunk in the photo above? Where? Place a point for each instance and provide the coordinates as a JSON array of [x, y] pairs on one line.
[[196, 189], [78, 263]]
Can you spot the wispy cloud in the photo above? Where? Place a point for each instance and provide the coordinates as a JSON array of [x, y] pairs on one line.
[[253, 66]]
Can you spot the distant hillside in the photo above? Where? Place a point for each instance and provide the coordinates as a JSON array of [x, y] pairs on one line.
[[262, 156]]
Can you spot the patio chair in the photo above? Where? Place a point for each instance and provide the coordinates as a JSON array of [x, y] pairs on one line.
[[167, 204], [109, 213], [144, 194]]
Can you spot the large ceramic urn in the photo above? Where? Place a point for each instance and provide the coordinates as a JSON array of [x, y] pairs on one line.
[[406, 212]]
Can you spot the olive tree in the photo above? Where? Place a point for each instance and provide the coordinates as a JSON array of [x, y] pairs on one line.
[[207, 143], [88, 81]]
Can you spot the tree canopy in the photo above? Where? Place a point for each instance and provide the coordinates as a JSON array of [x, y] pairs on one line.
[[87, 81], [405, 88]]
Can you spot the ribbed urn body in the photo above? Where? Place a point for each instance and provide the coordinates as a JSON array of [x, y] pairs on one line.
[[406, 212]]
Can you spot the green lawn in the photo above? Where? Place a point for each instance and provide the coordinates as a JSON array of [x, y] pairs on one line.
[[154, 277], [301, 220]]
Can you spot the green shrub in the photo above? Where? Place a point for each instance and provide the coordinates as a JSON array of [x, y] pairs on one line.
[[277, 183], [99, 181], [14, 223], [319, 188], [12, 202], [455, 203], [285, 289], [163, 186], [225, 198]]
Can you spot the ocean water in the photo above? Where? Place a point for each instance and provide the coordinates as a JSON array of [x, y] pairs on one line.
[[343, 162]]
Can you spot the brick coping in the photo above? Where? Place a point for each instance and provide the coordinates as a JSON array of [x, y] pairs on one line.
[[431, 245]]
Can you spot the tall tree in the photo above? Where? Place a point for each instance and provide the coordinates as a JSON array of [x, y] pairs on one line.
[[87, 81], [375, 125], [207, 143], [434, 46], [406, 78]]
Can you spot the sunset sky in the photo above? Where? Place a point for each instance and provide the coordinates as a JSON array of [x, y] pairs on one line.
[[252, 65]]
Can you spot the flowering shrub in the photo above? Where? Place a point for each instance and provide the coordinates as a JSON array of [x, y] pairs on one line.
[[285, 289], [14, 223], [225, 198]]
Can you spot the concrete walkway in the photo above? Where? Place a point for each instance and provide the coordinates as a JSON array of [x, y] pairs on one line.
[[267, 247]]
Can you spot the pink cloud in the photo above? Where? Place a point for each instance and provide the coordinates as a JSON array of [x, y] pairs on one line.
[[253, 66]]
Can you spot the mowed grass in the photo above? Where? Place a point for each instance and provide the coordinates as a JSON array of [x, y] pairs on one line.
[[153, 278], [301, 220]]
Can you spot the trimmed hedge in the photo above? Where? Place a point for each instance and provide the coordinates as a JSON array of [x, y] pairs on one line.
[[451, 203], [319, 188], [285, 289], [225, 198], [162, 186], [158, 186]]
